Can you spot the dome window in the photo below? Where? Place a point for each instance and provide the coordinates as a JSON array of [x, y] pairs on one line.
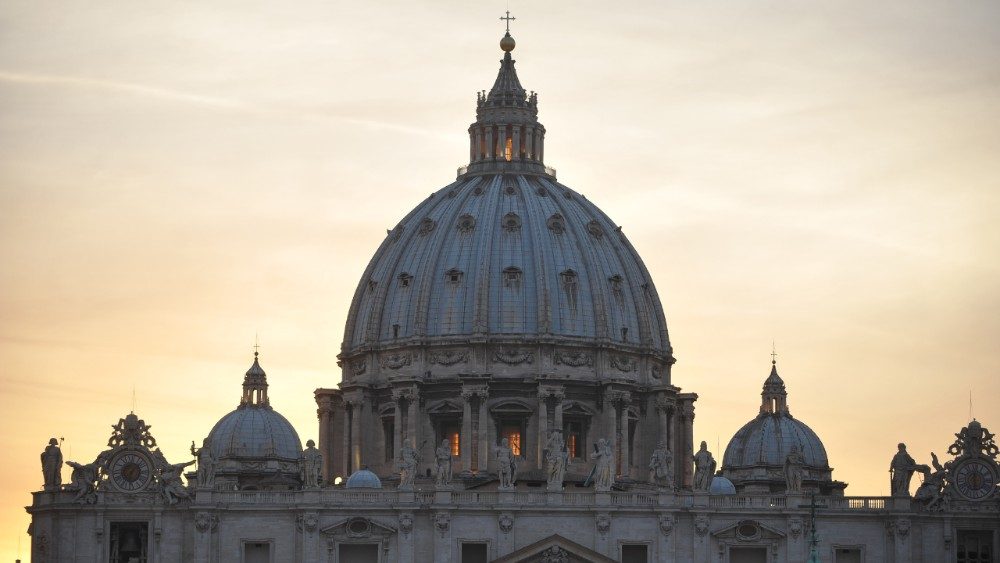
[[543, 192], [426, 226], [595, 229], [453, 276], [372, 284], [510, 190], [405, 279], [478, 190], [556, 224], [466, 223], [512, 277], [511, 223]]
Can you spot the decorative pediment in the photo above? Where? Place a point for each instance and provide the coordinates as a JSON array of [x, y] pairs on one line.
[[446, 406], [749, 531], [577, 408], [358, 527], [512, 406], [554, 549]]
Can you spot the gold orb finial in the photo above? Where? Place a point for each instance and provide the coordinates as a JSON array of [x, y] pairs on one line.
[[507, 43]]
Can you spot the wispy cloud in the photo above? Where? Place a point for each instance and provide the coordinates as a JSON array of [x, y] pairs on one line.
[[222, 103]]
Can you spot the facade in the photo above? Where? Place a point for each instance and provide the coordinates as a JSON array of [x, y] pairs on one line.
[[506, 396]]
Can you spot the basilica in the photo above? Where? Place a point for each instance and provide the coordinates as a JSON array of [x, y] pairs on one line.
[[506, 395]]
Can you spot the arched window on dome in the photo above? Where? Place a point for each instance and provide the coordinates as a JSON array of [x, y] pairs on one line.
[[405, 279], [512, 277], [453, 276]]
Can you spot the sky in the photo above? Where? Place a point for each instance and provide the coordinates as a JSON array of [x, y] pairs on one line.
[[178, 178]]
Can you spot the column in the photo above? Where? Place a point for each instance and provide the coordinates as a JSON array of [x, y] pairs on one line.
[[540, 145], [397, 433], [472, 146], [476, 151], [323, 412], [465, 441], [529, 142], [501, 142], [516, 142], [687, 417], [543, 425], [623, 440], [558, 419], [610, 419], [484, 441], [411, 419], [355, 436], [489, 142], [346, 461]]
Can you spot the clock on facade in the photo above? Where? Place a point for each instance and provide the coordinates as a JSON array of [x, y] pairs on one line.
[[130, 472], [975, 479]]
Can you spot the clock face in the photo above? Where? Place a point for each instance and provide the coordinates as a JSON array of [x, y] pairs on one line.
[[131, 472], [975, 479]]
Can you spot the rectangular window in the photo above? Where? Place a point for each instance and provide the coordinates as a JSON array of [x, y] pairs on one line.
[[358, 552], [452, 432], [508, 149], [748, 555], [635, 554], [475, 552], [512, 431], [129, 542], [256, 552], [975, 546], [389, 438], [847, 555]]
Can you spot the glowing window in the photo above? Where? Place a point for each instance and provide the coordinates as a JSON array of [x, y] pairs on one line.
[[508, 149], [452, 433], [513, 434]]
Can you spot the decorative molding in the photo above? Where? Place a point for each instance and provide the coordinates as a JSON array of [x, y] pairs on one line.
[[442, 522], [667, 522], [426, 226], [514, 356], [603, 522], [595, 229], [358, 367], [205, 521], [574, 359], [701, 523], [506, 522], [395, 360], [406, 523], [307, 521], [448, 357], [622, 363]]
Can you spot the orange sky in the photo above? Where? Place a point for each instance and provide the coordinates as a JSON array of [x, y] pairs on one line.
[[176, 177]]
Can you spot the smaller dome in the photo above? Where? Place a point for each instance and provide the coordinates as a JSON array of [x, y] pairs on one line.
[[254, 432], [363, 479], [721, 486]]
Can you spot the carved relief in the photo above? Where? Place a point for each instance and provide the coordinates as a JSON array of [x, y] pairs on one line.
[[205, 521], [667, 522], [555, 554], [506, 523], [307, 521], [574, 359], [603, 524], [406, 523], [442, 521], [622, 363], [395, 360], [513, 356], [656, 372], [448, 357], [701, 524], [795, 527], [358, 367]]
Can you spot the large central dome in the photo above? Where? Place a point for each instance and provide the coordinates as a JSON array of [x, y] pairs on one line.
[[506, 252]]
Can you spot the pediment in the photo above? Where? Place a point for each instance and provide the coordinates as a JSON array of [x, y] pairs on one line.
[[446, 406], [748, 530], [554, 548], [358, 527]]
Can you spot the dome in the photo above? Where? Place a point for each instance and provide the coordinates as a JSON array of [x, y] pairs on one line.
[[363, 479], [721, 486], [769, 438], [254, 432]]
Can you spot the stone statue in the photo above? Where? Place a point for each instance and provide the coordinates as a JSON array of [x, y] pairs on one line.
[[556, 459], [794, 470], [704, 468], [506, 465], [171, 486], [311, 466], [409, 460], [604, 466], [206, 463], [661, 466], [52, 461], [931, 492], [83, 480], [442, 455], [901, 471]]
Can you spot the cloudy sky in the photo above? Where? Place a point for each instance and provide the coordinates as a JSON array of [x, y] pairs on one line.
[[177, 177]]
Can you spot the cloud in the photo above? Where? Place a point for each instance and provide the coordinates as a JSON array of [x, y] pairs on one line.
[[210, 101]]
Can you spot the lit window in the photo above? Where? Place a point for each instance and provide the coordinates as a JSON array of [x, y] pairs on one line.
[[513, 434], [508, 149], [452, 433]]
